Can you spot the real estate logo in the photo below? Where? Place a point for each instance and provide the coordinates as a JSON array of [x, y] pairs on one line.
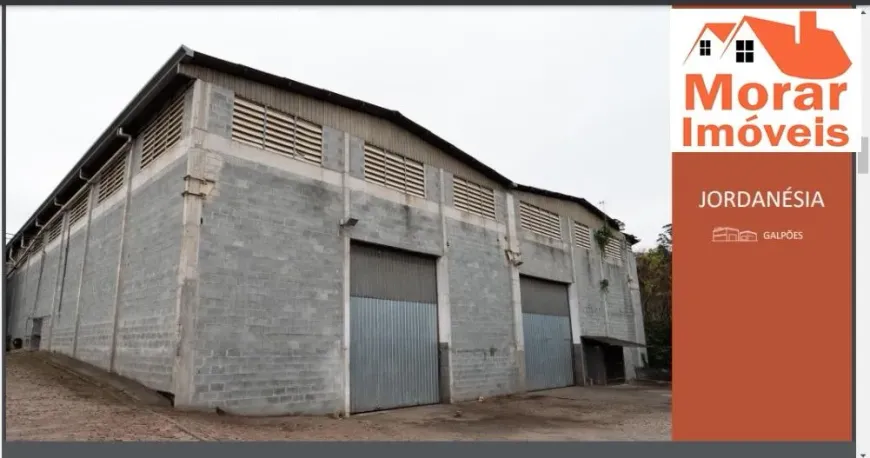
[[772, 80]]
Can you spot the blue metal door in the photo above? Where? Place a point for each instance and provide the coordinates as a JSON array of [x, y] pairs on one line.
[[546, 334], [393, 330]]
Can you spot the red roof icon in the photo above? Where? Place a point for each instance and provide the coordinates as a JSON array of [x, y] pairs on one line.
[[815, 54]]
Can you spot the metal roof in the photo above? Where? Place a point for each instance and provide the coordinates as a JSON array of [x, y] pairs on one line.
[[168, 79]]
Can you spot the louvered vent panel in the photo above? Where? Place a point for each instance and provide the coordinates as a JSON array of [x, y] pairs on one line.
[[473, 198], [582, 236], [37, 244], [79, 209], [394, 171], [111, 178], [613, 251], [54, 230], [540, 221], [163, 132], [263, 127]]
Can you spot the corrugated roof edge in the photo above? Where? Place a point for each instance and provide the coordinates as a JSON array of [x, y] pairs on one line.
[[169, 72], [161, 80]]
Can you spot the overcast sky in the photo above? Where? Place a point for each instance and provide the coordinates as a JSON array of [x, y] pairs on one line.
[[569, 99]]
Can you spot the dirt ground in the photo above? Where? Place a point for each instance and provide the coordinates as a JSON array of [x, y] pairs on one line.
[[48, 402]]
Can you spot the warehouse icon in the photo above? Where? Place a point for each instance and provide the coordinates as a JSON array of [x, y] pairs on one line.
[[730, 234]]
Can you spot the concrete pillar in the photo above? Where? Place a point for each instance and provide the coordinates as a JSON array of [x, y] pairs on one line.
[[61, 270], [197, 185], [636, 305], [125, 216], [445, 369], [345, 270], [603, 294], [78, 316], [516, 301], [574, 311]]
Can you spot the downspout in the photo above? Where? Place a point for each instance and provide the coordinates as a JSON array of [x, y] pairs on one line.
[[128, 179]]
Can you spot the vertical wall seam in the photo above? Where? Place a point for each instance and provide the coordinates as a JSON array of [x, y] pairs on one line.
[[78, 317], [116, 307], [59, 280]]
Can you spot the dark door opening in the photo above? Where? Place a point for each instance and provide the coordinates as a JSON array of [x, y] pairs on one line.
[[605, 363], [36, 334], [614, 363]]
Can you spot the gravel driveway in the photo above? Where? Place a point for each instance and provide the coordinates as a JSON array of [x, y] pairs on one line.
[[46, 402]]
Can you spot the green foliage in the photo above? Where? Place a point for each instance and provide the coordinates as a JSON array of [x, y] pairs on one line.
[[654, 278], [602, 236]]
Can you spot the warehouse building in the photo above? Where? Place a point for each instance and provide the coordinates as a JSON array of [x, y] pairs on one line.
[[240, 240]]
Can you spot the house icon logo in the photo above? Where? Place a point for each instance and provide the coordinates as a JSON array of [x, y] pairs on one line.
[[804, 51], [765, 80]]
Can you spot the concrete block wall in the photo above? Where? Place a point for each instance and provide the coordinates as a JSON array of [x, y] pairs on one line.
[[147, 319], [483, 344], [271, 249], [24, 283], [94, 338], [484, 357], [52, 259], [268, 327], [78, 288], [590, 300], [63, 330]]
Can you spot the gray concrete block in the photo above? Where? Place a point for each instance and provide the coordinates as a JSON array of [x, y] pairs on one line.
[[149, 281], [433, 183], [448, 189], [220, 112], [357, 158], [98, 288], [269, 324], [389, 223], [333, 149], [483, 344], [547, 262]]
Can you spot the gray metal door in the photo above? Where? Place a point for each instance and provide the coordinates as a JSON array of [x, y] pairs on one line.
[[547, 334], [393, 329]]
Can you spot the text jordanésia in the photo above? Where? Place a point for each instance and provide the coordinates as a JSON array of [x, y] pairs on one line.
[[786, 198]]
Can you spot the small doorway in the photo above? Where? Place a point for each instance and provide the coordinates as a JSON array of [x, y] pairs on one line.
[[614, 363], [605, 359], [36, 334]]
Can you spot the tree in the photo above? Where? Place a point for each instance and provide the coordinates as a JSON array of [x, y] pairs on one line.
[[654, 278]]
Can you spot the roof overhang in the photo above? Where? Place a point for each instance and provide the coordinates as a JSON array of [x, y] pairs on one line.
[[615, 342]]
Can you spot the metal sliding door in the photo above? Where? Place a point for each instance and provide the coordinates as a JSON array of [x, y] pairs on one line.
[[393, 329], [547, 334]]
